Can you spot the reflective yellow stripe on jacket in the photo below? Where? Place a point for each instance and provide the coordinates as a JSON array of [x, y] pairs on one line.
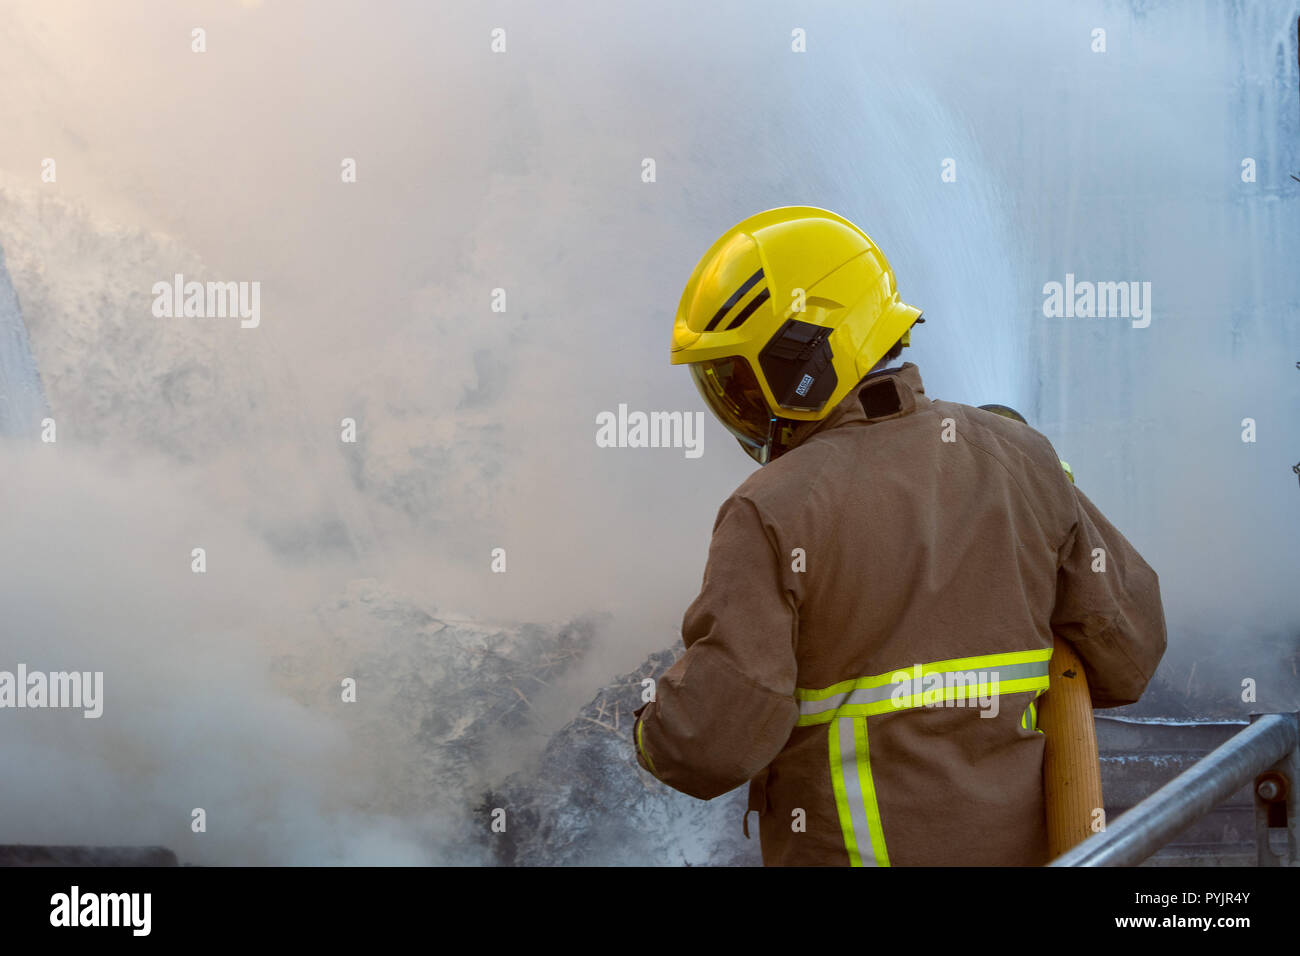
[[1029, 719], [640, 746], [847, 705]]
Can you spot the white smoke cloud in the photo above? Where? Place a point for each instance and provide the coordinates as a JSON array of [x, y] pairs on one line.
[[476, 429]]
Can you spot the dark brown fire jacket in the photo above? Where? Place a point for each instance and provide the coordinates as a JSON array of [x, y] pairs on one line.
[[874, 625]]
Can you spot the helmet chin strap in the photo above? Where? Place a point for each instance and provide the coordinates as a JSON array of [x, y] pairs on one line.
[[774, 426], [765, 453]]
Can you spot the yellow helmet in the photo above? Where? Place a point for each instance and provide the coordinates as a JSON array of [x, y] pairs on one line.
[[782, 317]]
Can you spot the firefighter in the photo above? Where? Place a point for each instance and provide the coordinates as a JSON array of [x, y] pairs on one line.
[[879, 601]]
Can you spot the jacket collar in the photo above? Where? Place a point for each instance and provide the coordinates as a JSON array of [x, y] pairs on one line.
[[880, 396]]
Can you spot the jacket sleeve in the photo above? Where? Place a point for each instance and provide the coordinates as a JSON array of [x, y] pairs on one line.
[[1108, 607], [725, 709]]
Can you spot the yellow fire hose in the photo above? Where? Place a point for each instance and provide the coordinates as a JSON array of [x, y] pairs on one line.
[[1071, 769]]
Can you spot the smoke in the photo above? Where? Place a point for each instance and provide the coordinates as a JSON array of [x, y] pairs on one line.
[[522, 171]]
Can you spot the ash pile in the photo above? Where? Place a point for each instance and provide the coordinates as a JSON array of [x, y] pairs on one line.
[[588, 802]]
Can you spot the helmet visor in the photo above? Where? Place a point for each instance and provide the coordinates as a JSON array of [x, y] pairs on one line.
[[732, 392]]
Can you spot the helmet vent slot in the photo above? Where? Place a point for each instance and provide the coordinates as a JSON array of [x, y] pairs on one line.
[[734, 298], [748, 310]]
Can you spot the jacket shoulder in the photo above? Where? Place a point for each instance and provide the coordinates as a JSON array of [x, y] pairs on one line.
[[1021, 449], [782, 490]]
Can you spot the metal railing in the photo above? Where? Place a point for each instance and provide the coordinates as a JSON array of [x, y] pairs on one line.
[[1265, 752]]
